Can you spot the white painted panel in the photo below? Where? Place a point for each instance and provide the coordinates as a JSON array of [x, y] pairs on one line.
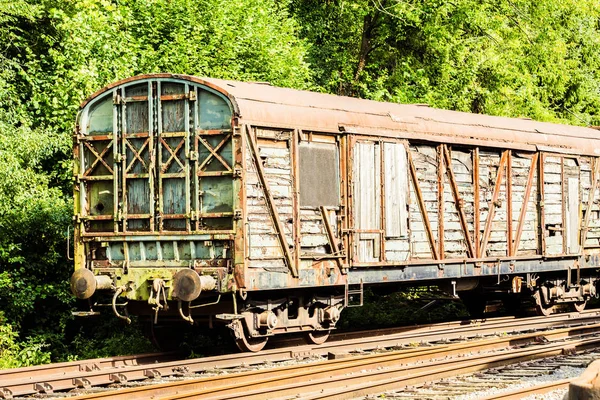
[[367, 199], [367, 191], [396, 190], [369, 247], [572, 216]]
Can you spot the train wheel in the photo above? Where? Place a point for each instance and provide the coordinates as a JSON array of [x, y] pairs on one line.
[[579, 306], [317, 337], [251, 344], [541, 308]]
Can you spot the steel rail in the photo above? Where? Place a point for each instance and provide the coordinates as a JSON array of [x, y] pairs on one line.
[[462, 323], [33, 373], [375, 369], [376, 382], [459, 332], [518, 394], [85, 374]]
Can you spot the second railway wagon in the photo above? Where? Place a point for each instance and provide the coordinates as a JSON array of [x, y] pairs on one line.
[[266, 208]]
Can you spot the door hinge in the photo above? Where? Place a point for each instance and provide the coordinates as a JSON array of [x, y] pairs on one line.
[[117, 99], [191, 95], [193, 155]]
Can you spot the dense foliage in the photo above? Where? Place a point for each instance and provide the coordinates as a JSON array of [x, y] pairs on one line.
[[503, 57]]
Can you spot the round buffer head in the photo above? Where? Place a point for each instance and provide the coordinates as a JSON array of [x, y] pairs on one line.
[[83, 283], [186, 285]]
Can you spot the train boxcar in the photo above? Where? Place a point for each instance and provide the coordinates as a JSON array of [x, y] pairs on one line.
[[266, 208]]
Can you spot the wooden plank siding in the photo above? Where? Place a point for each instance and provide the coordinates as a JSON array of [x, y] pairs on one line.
[[387, 224], [507, 192]]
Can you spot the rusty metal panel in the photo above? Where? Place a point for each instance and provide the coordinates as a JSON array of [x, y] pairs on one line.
[[213, 111], [173, 183], [396, 190], [211, 155], [137, 169], [319, 174], [154, 139], [99, 167]]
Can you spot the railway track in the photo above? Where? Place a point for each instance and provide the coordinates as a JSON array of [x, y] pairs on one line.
[[37, 375], [85, 375], [371, 373], [562, 384], [514, 381]]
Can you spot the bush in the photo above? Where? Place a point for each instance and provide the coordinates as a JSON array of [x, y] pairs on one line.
[[15, 353]]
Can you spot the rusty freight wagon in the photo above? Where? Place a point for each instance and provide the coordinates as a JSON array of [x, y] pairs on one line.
[[266, 208]]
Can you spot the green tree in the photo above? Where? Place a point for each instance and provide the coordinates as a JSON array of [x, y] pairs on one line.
[[55, 54], [502, 57]]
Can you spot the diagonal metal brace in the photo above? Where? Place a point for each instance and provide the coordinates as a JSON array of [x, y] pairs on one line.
[[271, 204]]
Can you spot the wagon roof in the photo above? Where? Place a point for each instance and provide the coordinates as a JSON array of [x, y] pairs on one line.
[[265, 105]]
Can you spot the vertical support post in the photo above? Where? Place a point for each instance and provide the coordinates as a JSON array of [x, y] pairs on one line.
[[159, 151], [115, 145], [344, 190], [241, 242], [592, 193], [186, 137], [441, 173], [509, 205], [382, 200], [541, 196], [295, 140], [352, 240], [151, 160], [196, 128], [477, 209], [122, 159], [565, 199]]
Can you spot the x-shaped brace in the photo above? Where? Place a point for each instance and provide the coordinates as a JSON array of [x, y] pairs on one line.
[[214, 152], [99, 158], [137, 154], [173, 156]]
